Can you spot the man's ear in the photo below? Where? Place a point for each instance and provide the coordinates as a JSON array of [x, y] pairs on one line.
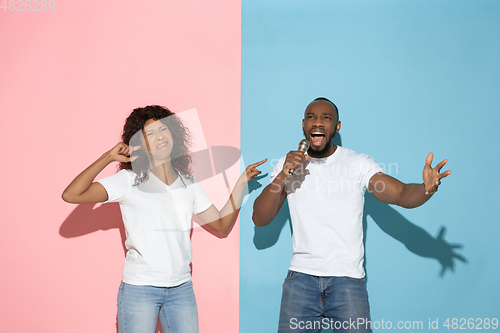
[[338, 126]]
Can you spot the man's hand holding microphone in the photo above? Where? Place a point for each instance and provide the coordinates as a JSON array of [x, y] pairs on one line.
[[295, 158]]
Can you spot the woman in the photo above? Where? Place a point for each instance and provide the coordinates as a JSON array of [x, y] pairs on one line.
[[157, 196]]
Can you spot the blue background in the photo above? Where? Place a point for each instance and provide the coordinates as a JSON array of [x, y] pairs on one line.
[[409, 78]]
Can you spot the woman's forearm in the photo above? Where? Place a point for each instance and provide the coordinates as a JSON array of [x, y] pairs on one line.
[[84, 180]]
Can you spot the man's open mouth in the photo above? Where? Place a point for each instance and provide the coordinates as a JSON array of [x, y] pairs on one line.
[[317, 138]]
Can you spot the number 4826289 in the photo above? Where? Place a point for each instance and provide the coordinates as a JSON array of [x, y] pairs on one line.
[[28, 5], [471, 323]]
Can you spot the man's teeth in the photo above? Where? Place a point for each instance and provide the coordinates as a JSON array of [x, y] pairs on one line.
[[317, 137]]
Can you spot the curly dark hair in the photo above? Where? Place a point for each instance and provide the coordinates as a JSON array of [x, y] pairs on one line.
[[132, 134]]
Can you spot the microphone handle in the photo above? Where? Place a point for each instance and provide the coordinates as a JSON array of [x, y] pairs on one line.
[[292, 171]]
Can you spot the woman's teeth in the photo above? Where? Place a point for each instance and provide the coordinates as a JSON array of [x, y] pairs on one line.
[[161, 145]]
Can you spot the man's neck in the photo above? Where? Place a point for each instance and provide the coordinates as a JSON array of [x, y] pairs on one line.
[[323, 153]]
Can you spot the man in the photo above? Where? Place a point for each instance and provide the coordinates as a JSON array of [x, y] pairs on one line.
[[325, 286]]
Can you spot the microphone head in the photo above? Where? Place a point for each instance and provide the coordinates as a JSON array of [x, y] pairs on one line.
[[304, 145]]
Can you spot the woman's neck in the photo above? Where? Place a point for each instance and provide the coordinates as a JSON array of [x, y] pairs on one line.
[[165, 172]]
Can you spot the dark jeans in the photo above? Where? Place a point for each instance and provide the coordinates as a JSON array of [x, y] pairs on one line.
[[310, 303]]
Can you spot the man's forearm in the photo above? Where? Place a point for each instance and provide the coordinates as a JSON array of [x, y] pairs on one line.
[[413, 195], [269, 202]]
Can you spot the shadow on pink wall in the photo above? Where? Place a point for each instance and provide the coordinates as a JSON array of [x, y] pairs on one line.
[[86, 219]]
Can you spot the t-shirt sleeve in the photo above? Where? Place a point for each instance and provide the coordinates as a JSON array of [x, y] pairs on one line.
[[277, 168], [368, 169], [201, 200], [117, 186]]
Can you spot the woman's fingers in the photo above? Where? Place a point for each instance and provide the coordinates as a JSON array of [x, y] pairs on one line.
[[252, 170], [258, 163], [121, 152]]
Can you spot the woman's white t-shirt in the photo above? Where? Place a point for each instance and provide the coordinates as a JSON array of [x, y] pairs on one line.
[[157, 220]]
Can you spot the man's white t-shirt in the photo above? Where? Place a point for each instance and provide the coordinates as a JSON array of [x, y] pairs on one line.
[[326, 199], [157, 220]]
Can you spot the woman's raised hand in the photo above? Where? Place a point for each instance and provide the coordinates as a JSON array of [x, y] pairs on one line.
[[251, 170], [121, 153]]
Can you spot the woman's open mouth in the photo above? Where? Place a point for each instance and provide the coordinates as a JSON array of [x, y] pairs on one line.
[[162, 145]]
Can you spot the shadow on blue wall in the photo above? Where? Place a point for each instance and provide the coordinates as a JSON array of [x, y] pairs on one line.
[[415, 238]]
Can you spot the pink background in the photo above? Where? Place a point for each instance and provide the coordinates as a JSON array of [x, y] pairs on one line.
[[68, 80]]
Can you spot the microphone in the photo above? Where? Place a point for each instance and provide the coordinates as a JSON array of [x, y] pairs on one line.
[[303, 147]]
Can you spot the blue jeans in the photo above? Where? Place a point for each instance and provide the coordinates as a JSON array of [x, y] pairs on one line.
[[140, 306], [311, 303]]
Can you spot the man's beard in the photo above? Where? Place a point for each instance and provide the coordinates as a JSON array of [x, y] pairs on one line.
[[323, 152]]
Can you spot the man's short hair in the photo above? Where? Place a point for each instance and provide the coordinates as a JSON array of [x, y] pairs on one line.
[[327, 100]]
